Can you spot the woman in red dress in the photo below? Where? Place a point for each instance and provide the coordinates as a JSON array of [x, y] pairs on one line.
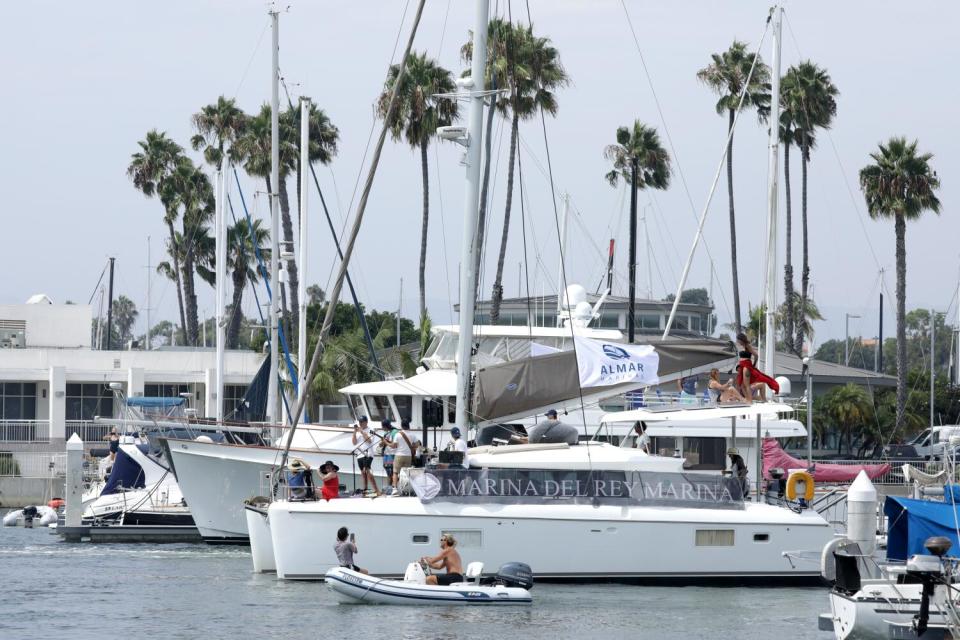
[[330, 479], [748, 376]]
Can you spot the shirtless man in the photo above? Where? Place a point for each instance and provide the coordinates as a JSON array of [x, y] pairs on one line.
[[448, 559]]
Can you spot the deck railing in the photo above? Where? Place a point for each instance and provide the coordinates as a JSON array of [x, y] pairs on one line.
[[88, 430], [25, 431], [32, 464]]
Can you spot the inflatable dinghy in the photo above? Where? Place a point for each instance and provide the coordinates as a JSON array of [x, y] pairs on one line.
[[510, 586], [38, 516]]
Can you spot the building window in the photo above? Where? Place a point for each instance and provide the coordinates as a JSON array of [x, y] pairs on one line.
[[648, 320], [165, 390], [85, 401], [18, 400], [233, 398], [681, 323], [609, 320]]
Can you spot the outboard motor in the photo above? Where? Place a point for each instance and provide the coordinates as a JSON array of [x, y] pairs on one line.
[[29, 514], [929, 570], [515, 574]]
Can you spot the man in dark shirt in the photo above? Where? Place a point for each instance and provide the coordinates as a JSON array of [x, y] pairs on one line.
[[738, 468]]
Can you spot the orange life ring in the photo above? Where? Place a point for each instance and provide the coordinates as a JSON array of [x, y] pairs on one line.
[[792, 481], [56, 503]]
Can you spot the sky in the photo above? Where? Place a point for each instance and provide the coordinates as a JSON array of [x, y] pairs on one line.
[[81, 84]]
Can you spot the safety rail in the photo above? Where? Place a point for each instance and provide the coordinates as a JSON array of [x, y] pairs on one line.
[[32, 464], [25, 431], [88, 430]]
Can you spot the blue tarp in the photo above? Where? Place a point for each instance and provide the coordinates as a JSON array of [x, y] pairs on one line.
[[910, 522], [154, 402], [126, 474]]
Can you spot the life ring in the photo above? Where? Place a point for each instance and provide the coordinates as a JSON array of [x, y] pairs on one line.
[[792, 481]]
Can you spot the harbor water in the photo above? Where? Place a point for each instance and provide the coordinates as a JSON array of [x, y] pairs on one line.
[[96, 591]]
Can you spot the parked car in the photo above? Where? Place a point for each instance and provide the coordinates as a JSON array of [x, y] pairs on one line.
[[903, 453]]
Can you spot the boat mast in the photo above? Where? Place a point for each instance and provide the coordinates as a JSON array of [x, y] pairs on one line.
[[302, 285], [273, 388], [561, 285], [770, 336], [470, 247], [147, 335], [221, 266]]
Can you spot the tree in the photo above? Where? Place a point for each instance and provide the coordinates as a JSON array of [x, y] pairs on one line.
[[124, 317], [729, 75], [900, 184], [150, 169], [530, 66], [810, 97], [217, 125], [242, 243], [639, 158], [802, 312], [849, 409], [415, 118]]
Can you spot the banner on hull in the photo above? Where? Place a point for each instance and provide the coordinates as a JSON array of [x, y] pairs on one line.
[[546, 486]]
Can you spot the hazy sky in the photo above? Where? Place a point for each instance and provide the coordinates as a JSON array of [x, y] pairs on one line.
[[82, 83]]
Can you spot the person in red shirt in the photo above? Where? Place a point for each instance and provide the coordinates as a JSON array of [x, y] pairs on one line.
[[330, 479]]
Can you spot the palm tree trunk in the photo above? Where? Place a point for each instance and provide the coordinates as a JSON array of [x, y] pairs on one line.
[[498, 281], [733, 226], [484, 190], [174, 252], [189, 289], [236, 315], [788, 264], [292, 274], [424, 225], [901, 230], [805, 277]]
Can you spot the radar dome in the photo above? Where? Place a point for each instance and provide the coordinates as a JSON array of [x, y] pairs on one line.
[[574, 295]]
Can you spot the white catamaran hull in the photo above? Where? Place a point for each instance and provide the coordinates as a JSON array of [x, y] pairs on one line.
[[559, 541], [216, 478]]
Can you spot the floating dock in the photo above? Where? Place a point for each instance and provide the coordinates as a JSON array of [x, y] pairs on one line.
[[128, 533]]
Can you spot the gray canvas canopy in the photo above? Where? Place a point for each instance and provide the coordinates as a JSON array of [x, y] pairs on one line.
[[522, 387]]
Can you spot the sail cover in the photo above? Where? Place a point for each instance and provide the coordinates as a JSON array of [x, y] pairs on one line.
[[521, 387], [775, 457], [911, 522]]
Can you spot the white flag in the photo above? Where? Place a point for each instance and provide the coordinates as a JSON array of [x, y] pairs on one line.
[[537, 350], [602, 363]]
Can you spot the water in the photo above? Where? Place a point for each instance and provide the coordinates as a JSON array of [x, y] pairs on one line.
[[191, 591]]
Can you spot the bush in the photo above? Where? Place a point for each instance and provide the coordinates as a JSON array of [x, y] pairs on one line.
[[8, 464]]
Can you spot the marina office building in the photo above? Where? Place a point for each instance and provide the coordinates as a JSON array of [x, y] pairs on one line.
[[53, 384]]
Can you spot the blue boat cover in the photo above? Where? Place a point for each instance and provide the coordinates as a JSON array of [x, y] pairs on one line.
[[154, 402], [126, 474], [910, 522]]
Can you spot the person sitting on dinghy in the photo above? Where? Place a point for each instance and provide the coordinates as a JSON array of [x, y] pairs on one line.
[[448, 559], [345, 549], [331, 481]]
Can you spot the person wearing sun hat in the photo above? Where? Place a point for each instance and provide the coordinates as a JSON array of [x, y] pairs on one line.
[[300, 480], [331, 481]]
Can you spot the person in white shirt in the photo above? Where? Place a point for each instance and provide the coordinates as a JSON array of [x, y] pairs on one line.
[[405, 444], [363, 446], [459, 444], [643, 440]]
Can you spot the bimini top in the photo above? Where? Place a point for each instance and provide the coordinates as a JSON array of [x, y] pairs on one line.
[[693, 414], [436, 382], [154, 403]]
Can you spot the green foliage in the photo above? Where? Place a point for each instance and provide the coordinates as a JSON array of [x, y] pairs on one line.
[[8, 464], [639, 145], [727, 75]]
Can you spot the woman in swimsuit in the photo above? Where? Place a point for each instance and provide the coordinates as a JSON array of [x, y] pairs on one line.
[[727, 393], [747, 373]]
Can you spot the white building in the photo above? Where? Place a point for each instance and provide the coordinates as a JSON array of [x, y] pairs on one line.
[[52, 383]]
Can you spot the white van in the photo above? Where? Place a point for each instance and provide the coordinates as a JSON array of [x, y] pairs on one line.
[[930, 443]]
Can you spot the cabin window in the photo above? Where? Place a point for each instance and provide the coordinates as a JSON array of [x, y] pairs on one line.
[[466, 538], [704, 454], [761, 537], [404, 407], [663, 446], [714, 538], [420, 538], [649, 321], [432, 410], [379, 408]]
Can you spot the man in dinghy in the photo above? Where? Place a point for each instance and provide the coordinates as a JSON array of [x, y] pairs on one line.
[[448, 559], [345, 548]]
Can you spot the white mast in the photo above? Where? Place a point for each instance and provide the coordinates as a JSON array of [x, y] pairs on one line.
[[273, 388], [147, 334], [221, 265], [770, 336], [561, 284], [302, 285], [468, 276]]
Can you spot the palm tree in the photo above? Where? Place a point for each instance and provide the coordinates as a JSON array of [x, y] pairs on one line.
[[242, 242], [802, 312], [418, 113], [217, 125], [810, 97], [188, 191], [787, 135], [150, 169], [900, 184], [729, 75], [533, 72], [848, 408], [639, 158]]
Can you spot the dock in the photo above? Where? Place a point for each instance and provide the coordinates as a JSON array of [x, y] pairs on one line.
[[117, 534]]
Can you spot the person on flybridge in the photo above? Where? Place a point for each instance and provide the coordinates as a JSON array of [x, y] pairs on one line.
[[550, 430]]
